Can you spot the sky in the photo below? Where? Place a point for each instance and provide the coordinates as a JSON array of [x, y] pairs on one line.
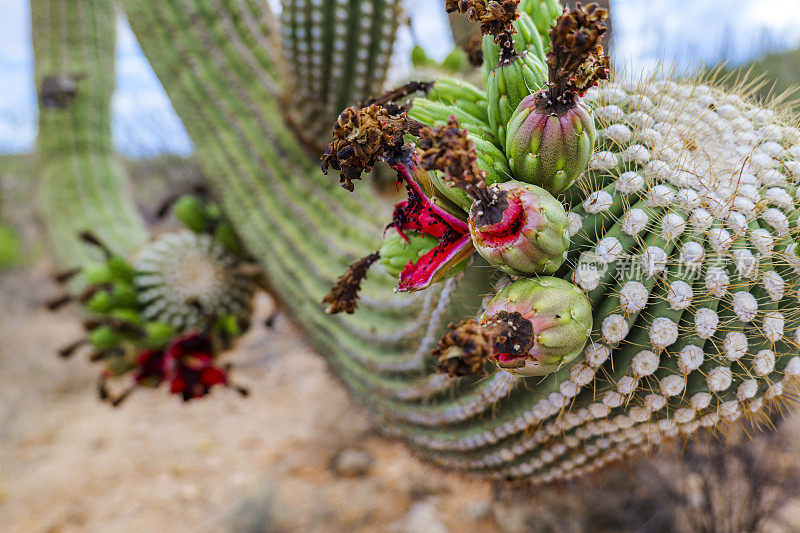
[[647, 34]]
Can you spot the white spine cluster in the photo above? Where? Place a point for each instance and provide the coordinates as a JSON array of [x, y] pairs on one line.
[[185, 278]]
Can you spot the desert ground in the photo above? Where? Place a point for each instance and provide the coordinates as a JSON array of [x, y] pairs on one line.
[[298, 454]]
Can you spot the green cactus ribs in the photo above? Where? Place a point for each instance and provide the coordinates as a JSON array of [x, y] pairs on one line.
[[328, 71]]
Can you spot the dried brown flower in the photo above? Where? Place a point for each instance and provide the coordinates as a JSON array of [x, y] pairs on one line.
[[449, 149], [474, 50], [517, 337], [496, 17], [360, 138], [465, 347], [576, 60], [366, 134], [344, 295]]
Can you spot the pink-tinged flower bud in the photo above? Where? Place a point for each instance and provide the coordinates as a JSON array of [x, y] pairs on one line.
[[521, 229], [546, 324], [549, 144]]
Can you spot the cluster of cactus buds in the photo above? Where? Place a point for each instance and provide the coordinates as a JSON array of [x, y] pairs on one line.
[[462, 195], [166, 314], [551, 133]]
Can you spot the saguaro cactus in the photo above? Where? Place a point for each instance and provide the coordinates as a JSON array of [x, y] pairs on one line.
[[82, 185], [327, 70], [682, 236]]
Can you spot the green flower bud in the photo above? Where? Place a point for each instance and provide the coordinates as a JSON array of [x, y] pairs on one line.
[[158, 334], [124, 295], [192, 213], [104, 338], [97, 273], [229, 324], [120, 269], [225, 235], [547, 323], [550, 145], [131, 316], [527, 39], [100, 303], [509, 83], [543, 13], [525, 231], [456, 61]]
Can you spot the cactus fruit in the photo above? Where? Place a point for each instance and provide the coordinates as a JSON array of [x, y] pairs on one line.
[[531, 234], [549, 149], [542, 13], [550, 320], [551, 134]]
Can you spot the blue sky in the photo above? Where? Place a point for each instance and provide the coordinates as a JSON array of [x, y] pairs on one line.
[[647, 33]]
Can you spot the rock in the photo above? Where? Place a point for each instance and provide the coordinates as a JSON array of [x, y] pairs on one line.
[[257, 514], [478, 511], [422, 517], [351, 462], [512, 518]]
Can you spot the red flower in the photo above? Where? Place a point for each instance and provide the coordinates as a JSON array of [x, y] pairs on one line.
[[150, 369], [189, 367]]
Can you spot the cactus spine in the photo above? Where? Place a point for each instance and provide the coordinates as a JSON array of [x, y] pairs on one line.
[[729, 355]]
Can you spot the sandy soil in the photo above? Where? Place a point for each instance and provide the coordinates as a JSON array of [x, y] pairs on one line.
[[71, 463]]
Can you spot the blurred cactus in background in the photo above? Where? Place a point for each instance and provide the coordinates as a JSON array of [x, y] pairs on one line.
[[82, 184], [679, 229]]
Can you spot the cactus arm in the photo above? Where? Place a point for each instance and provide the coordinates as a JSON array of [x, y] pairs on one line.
[[296, 222], [328, 71], [83, 187]]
